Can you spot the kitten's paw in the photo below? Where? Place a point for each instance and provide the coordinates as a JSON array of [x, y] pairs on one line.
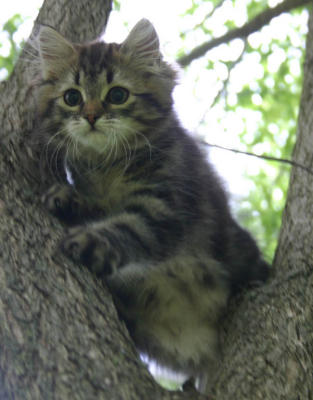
[[61, 201], [85, 246], [189, 385]]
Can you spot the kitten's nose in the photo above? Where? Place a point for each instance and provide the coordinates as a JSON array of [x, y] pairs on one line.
[[92, 118], [92, 111]]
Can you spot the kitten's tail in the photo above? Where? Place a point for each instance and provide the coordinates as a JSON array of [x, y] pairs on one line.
[[245, 262]]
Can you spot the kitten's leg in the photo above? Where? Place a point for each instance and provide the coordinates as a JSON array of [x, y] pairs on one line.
[[108, 245], [172, 311], [64, 202], [142, 231], [94, 249]]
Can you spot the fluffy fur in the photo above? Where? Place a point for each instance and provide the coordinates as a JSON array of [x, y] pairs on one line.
[[152, 218]]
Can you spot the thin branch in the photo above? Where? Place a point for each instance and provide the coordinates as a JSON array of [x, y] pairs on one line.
[[252, 26], [261, 156]]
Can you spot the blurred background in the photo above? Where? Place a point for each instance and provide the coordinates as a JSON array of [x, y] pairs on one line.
[[242, 94]]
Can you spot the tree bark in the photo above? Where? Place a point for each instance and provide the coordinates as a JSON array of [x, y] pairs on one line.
[[60, 336]]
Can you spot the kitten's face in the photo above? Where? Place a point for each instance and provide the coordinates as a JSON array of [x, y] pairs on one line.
[[95, 105], [103, 97]]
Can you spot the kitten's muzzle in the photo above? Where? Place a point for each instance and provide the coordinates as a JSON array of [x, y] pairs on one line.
[[92, 118]]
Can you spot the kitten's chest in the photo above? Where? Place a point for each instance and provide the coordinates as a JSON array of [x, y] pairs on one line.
[[107, 190]]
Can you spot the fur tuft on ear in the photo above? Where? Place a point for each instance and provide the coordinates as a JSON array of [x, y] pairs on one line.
[[56, 53], [142, 42]]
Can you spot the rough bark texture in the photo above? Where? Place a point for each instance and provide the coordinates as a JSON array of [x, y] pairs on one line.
[[60, 336]]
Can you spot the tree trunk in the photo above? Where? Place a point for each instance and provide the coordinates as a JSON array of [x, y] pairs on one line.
[[60, 336]]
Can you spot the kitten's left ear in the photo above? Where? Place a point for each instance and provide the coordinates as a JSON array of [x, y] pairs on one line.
[[56, 53], [142, 41]]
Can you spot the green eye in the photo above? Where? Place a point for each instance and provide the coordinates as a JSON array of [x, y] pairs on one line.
[[117, 95], [72, 97]]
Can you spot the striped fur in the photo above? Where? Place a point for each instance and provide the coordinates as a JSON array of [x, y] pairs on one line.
[[151, 217]]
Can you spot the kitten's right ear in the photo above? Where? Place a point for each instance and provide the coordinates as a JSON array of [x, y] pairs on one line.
[[143, 42], [56, 53]]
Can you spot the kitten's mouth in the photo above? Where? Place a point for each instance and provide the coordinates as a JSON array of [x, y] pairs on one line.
[[92, 130]]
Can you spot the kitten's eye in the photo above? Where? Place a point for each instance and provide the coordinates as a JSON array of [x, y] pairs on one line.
[[72, 97], [117, 95]]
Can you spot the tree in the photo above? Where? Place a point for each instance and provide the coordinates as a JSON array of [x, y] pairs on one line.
[[59, 334]]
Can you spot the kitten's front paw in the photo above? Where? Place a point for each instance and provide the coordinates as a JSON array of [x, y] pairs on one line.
[[61, 201], [89, 248]]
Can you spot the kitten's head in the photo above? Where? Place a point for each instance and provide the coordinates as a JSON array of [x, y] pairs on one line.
[[100, 97]]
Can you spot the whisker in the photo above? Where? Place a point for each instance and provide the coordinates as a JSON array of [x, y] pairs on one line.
[[56, 147]]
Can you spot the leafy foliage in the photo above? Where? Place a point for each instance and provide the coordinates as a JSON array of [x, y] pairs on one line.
[[276, 95], [116, 5], [10, 27], [261, 87]]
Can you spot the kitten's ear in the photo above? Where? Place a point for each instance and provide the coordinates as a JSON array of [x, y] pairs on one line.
[[56, 53], [142, 42]]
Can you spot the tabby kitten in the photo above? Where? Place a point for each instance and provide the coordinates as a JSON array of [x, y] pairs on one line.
[[152, 216]]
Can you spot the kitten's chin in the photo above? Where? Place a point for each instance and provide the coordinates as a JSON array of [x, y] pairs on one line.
[[100, 139], [87, 137], [93, 140]]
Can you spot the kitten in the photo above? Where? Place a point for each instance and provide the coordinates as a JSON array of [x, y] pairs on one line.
[[152, 217]]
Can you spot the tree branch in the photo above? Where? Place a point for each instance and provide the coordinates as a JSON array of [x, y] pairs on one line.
[[252, 26], [261, 156]]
